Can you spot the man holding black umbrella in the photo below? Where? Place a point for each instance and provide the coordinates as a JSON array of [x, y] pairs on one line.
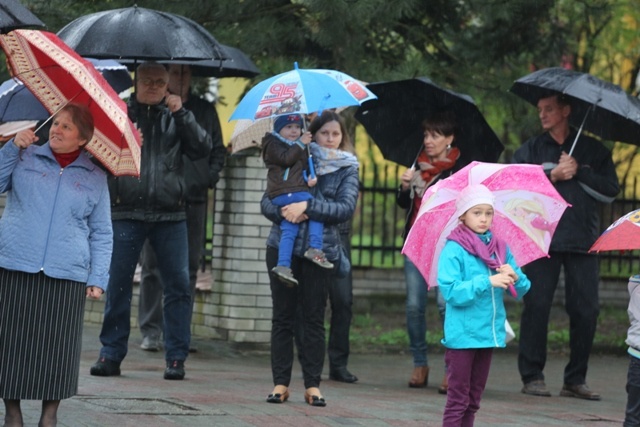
[[152, 206], [583, 178]]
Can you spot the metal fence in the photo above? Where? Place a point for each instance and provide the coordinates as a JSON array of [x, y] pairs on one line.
[[379, 222]]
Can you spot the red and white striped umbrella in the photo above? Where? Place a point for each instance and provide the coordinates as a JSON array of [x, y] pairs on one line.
[[57, 75]]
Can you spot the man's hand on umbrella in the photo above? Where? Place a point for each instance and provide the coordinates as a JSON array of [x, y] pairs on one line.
[[25, 138], [174, 102], [566, 169]]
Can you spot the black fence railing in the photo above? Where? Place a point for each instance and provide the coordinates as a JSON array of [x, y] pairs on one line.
[[378, 224]]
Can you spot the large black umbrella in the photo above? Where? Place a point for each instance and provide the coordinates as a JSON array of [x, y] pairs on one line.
[[237, 65], [14, 15], [140, 34], [394, 120], [600, 107]]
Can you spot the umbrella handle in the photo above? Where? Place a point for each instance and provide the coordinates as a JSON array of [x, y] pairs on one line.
[[581, 126], [312, 169], [56, 112], [510, 288]]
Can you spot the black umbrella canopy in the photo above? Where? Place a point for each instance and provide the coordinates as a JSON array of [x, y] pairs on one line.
[[140, 34], [237, 65], [14, 15], [610, 112], [394, 120]]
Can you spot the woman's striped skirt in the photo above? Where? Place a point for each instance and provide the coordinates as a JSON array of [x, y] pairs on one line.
[[41, 322]]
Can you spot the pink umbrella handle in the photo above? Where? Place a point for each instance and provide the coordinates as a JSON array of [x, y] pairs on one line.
[[512, 291]]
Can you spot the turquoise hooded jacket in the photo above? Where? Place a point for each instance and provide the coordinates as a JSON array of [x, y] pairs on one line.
[[56, 220], [475, 313]]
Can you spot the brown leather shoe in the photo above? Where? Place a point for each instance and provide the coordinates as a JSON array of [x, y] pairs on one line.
[[419, 377], [581, 391], [444, 387], [536, 388]]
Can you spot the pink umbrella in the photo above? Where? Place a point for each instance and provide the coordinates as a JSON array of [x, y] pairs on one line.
[[527, 211]]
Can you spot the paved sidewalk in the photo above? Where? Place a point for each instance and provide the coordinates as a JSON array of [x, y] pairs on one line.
[[223, 388]]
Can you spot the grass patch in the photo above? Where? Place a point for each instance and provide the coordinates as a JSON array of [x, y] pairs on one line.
[[379, 326]]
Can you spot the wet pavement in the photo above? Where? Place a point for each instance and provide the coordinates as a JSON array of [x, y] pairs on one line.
[[227, 388]]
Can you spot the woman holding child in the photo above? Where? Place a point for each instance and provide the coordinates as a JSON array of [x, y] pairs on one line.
[[334, 201]]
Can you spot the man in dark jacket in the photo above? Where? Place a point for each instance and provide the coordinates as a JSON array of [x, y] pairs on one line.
[[200, 175], [152, 206], [584, 179]]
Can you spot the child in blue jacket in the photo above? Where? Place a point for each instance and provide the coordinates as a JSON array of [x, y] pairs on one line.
[[474, 270]]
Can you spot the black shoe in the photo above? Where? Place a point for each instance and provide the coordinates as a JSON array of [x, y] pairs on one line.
[[174, 370], [105, 368], [342, 375]]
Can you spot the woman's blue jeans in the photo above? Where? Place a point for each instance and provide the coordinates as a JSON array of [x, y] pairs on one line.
[[416, 312]]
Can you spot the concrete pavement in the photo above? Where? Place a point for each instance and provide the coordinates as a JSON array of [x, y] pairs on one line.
[[226, 388]]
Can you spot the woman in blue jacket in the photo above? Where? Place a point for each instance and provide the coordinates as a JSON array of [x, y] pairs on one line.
[[334, 202], [55, 250], [474, 269]]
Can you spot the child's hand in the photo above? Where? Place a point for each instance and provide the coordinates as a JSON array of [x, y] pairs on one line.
[[507, 269], [501, 280], [306, 138], [311, 182]]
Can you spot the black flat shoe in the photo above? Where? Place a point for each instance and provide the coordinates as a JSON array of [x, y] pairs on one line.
[[314, 400], [342, 375], [278, 397]]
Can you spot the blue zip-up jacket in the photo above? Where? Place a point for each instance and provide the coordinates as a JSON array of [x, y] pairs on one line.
[[56, 220], [475, 309]]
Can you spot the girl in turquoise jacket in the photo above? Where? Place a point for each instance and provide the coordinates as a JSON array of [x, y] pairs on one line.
[[474, 270]]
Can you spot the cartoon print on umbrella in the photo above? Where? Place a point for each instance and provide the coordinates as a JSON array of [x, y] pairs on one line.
[[301, 91], [515, 187]]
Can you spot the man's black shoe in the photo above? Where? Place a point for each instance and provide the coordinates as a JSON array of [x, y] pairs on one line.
[[105, 368], [342, 375], [174, 370]]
